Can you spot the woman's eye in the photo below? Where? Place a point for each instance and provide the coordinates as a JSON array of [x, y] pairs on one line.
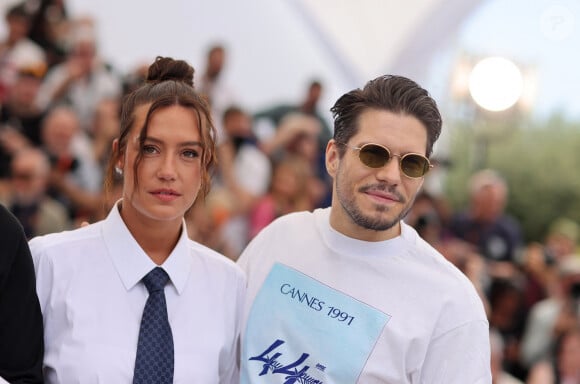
[[190, 153], [149, 150]]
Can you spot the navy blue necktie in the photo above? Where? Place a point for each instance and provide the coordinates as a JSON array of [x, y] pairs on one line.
[[154, 360]]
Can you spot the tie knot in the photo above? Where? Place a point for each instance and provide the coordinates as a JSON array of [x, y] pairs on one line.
[[156, 280]]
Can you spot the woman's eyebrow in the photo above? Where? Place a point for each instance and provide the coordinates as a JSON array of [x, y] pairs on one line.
[[182, 144]]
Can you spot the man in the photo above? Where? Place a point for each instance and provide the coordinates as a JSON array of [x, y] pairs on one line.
[[215, 87], [82, 81], [21, 347], [244, 175], [350, 293], [29, 201], [272, 119], [20, 118], [76, 179], [485, 223]]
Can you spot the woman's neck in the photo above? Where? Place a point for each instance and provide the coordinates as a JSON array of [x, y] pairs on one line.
[[156, 238]]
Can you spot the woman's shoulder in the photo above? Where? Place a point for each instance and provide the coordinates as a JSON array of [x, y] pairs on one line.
[[65, 239]]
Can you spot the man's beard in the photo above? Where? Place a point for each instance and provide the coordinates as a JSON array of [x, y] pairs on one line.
[[375, 223]]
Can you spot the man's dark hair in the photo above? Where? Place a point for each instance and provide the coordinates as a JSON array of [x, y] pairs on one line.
[[392, 93]]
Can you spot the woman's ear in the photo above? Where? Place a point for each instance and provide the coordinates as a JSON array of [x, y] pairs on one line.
[[119, 163]]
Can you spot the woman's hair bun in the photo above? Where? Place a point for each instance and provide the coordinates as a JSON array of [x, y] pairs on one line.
[[166, 68]]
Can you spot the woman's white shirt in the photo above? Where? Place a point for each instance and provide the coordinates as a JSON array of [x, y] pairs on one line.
[[91, 295]]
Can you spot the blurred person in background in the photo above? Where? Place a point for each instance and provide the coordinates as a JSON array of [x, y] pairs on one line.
[[244, 173], [50, 28], [305, 145], [38, 213], [20, 119], [485, 224], [297, 135], [506, 315], [82, 81], [539, 260], [213, 86], [210, 79], [562, 239], [291, 129], [17, 50], [270, 119], [563, 366], [105, 129], [552, 317], [132, 79], [498, 374], [426, 218], [206, 221], [288, 192], [76, 178]]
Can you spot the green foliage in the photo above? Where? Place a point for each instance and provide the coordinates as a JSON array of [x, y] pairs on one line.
[[541, 164]]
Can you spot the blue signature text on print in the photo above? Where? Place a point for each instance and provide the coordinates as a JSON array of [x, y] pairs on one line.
[[294, 374]]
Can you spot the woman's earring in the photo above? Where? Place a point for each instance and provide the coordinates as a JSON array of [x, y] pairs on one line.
[[118, 171]]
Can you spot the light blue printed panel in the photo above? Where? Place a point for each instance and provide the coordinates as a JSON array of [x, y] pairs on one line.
[[305, 332]]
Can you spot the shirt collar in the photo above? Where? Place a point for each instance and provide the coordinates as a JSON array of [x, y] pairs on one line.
[[132, 263], [343, 244]]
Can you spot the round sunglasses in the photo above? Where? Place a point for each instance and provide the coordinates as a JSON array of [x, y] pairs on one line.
[[413, 165]]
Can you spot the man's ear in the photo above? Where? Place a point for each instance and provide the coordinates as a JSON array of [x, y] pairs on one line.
[[332, 158]]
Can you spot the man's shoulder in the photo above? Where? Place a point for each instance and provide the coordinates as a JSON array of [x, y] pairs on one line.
[[292, 220], [278, 235], [214, 259], [442, 272]]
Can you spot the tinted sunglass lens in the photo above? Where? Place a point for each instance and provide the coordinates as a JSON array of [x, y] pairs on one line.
[[374, 156], [414, 165]]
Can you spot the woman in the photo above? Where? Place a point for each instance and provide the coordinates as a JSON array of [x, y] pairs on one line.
[[93, 282]]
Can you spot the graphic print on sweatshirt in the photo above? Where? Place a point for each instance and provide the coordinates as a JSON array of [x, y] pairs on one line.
[[300, 331]]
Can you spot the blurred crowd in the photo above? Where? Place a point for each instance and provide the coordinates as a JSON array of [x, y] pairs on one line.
[[531, 291], [59, 112]]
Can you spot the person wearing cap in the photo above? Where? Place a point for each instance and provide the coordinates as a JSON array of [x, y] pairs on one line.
[[351, 293]]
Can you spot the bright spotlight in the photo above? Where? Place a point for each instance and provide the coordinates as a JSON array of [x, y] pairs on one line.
[[496, 84]]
